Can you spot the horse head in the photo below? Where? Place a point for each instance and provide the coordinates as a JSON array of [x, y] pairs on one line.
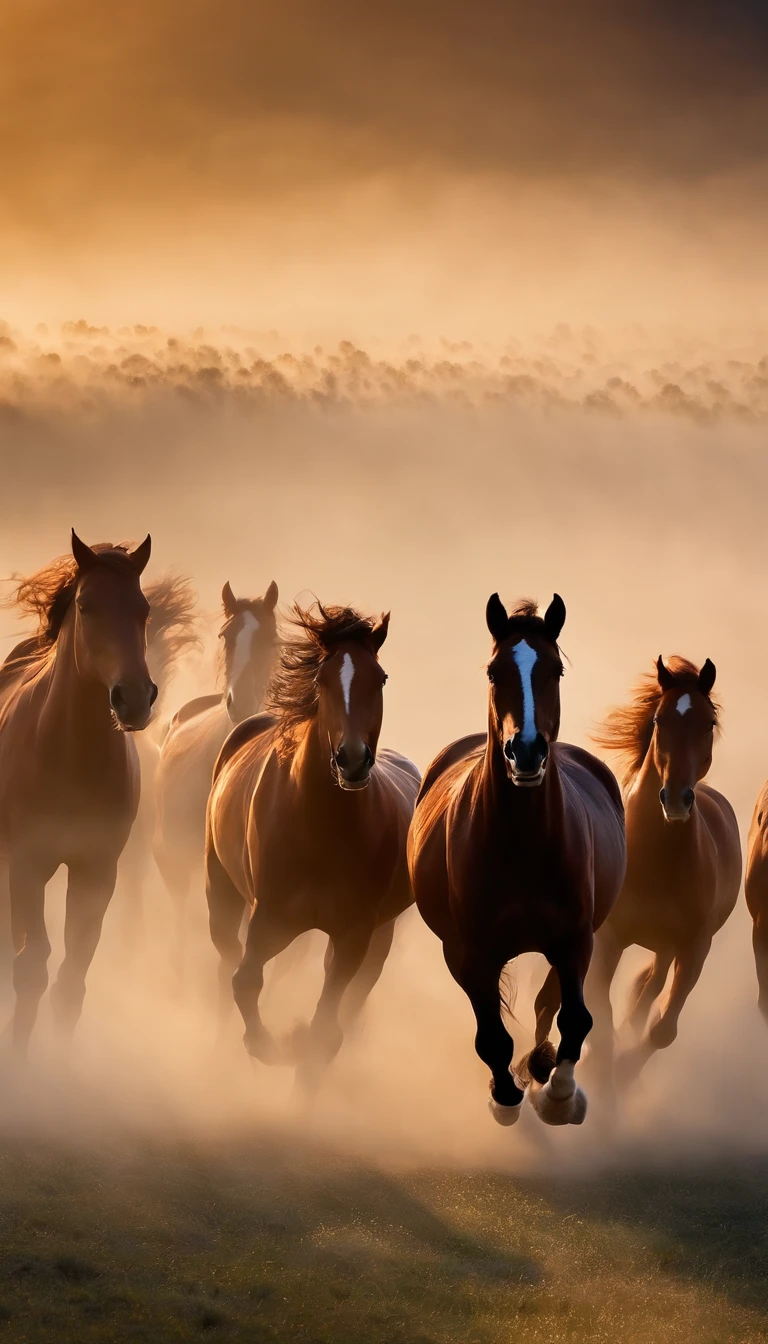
[[524, 675], [683, 733]]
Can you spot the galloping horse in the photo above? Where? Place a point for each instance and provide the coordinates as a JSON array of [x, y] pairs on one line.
[[197, 733], [69, 783], [171, 632], [683, 857], [307, 824], [756, 891], [517, 845]]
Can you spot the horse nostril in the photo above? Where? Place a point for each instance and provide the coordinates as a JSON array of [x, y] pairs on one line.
[[117, 699], [688, 798], [342, 757], [368, 757], [663, 797], [153, 694], [509, 750]]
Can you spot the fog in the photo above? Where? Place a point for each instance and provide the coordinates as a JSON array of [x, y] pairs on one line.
[[418, 477]]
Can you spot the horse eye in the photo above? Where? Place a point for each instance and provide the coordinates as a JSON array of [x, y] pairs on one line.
[[491, 678], [83, 608]]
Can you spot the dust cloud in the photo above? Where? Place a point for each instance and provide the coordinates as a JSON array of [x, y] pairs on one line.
[[420, 478]]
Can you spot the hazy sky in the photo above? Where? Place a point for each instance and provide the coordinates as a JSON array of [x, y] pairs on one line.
[[243, 138]]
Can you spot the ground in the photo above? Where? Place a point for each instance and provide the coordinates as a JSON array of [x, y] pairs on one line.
[[266, 1239]]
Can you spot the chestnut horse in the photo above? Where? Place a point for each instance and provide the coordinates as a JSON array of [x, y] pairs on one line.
[[307, 825], [196, 734], [517, 845], [756, 891], [171, 632], [69, 783], [683, 858]]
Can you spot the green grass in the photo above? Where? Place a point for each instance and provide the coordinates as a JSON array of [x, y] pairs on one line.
[[265, 1240]]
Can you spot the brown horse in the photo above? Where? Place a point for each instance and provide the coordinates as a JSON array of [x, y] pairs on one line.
[[171, 632], [196, 734], [517, 845], [307, 824], [756, 891], [683, 858], [69, 782]]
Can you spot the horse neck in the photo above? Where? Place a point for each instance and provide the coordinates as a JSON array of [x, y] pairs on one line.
[[311, 763], [74, 707], [533, 810]]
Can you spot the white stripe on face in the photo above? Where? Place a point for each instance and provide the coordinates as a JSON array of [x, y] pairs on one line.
[[684, 704], [525, 657], [347, 673], [243, 646]]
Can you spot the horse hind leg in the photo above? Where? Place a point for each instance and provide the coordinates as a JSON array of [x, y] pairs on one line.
[[557, 1099]]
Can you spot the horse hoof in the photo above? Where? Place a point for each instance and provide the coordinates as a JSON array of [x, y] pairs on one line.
[[559, 1101], [504, 1115]]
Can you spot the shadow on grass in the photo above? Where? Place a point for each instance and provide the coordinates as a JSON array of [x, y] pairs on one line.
[[702, 1222]]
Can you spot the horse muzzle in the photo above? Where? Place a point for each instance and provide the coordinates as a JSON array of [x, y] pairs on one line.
[[131, 704], [526, 762], [677, 808], [353, 767]]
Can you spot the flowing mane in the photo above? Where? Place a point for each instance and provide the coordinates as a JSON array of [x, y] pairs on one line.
[[47, 596], [629, 728], [48, 593], [171, 625], [292, 694]]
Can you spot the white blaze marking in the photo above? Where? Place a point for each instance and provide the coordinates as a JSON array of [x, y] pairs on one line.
[[347, 673], [684, 704], [525, 658], [243, 644]]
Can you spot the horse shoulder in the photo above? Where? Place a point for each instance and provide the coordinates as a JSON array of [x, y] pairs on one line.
[[580, 757], [192, 708], [461, 750], [247, 732]]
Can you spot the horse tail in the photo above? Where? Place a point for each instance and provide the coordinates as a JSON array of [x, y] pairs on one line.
[[537, 1065]]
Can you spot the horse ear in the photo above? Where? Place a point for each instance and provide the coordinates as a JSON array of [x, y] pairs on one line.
[[666, 678], [140, 556], [496, 618], [554, 618], [85, 558], [271, 596], [379, 632], [228, 600], [707, 676]]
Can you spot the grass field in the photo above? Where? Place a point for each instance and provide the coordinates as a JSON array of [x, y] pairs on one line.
[[266, 1239]]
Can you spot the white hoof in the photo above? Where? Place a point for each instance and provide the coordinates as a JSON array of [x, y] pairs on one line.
[[506, 1115], [559, 1101]]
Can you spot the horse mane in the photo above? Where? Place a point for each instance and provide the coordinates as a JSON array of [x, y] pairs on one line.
[[628, 729], [48, 593], [171, 624], [292, 694]]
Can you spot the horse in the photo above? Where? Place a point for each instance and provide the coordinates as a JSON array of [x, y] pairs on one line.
[[171, 632], [69, 782], [683, 859], [756, 892], [517, 845], [306, 825], [195, 736]]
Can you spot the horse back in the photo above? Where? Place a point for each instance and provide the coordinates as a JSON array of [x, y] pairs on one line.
[[246, 732], [464, 749], [194, 707]]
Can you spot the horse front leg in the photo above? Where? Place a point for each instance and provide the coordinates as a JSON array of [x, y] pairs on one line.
[[344, 958], [89, 891], [479, 976], [662, 1027], [266, 938], [26, 885], [555, 1096]]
